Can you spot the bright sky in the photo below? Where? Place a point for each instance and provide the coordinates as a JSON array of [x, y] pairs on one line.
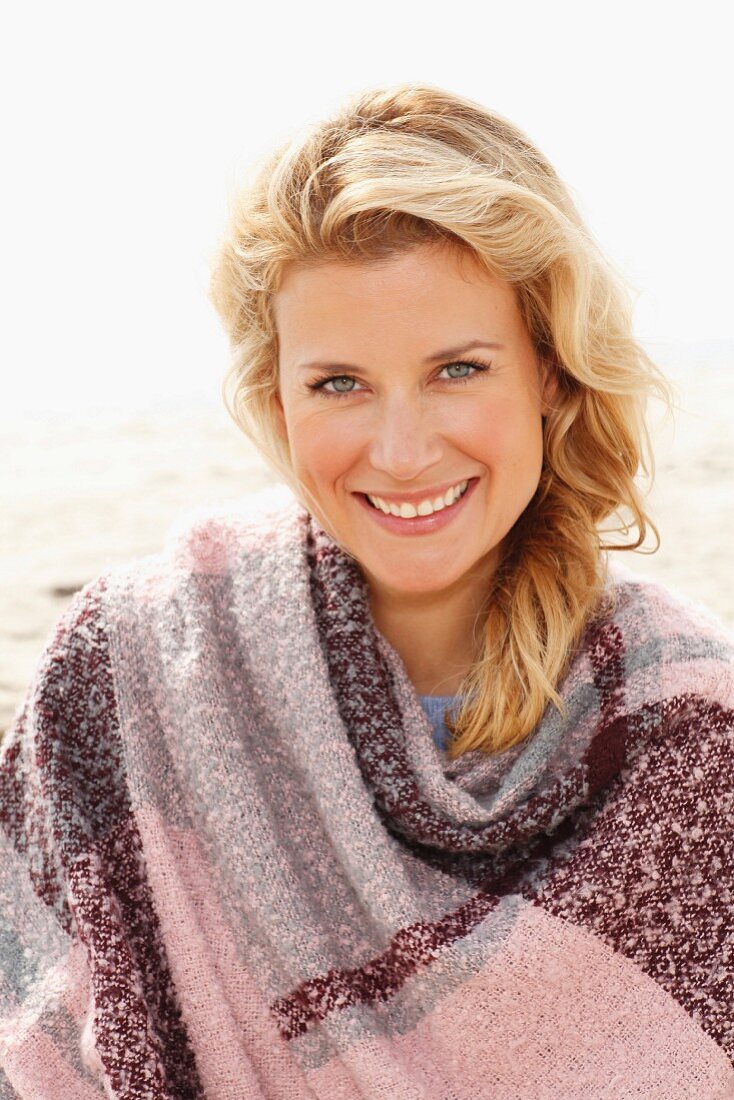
[[128, 124]]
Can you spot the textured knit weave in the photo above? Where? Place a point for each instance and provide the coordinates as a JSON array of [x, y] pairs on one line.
[[234, 863]]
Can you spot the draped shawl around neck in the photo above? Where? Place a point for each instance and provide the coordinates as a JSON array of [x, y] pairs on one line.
[[234, 863]]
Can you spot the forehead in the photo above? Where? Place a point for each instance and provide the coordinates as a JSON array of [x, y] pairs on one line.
[[426, 285]]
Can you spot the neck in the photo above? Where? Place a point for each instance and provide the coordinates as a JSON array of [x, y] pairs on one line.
[[438, 635]]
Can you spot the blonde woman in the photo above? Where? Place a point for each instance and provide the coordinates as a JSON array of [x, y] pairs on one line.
[[388, 784]]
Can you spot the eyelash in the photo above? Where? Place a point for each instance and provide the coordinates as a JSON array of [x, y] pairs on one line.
[[319, 383]]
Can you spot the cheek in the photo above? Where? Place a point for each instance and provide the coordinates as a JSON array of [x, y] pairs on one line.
[[504, 437], [322, 449], [487, 430]]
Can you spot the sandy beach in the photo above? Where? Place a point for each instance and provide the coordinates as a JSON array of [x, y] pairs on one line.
[[85, 493]]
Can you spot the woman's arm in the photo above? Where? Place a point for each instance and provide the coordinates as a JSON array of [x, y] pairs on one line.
[[87, 1007], [46, 1002]]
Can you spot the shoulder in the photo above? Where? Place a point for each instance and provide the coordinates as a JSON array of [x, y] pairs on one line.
[[218, 538], [60, 756], [74, 672], [215, 540], [75, 651], [663, 632], [71, 689], [206, 537], [638, 594]]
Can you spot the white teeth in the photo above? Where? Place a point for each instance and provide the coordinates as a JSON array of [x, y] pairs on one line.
[[424, 507]]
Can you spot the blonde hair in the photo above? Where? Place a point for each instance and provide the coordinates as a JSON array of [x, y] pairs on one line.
[[412, 164]]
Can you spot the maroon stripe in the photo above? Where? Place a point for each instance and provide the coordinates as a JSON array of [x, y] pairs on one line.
[[23, 817], [382, 976], [605, 647], [410, 948], [657, 851], [140, 1035]]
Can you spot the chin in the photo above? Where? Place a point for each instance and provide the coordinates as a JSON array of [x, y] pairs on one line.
[[411, 581]]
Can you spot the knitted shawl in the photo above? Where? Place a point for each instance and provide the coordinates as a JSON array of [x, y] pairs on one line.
[[234, 864]]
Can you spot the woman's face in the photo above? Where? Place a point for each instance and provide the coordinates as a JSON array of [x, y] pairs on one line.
[[376, 398]]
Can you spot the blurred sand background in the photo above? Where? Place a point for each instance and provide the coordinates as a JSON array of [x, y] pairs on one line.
[[83, 493]]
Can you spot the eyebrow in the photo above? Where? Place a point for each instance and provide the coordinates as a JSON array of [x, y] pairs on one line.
[[447, 353]]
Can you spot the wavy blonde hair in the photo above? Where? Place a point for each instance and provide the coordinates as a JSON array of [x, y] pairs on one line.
[[414, 164]]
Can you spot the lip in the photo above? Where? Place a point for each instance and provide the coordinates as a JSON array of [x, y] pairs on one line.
[[419, 525]]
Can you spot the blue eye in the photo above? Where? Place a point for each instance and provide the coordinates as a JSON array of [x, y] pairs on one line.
[[336, 378], [320, 383], [462, 363]]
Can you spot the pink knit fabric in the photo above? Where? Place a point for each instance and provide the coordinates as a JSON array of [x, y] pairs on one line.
[[233, 862]]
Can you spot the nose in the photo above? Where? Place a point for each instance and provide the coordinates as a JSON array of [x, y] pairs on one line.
[[404, 442]]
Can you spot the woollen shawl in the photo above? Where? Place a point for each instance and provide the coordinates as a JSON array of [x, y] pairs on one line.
[[235, 864]]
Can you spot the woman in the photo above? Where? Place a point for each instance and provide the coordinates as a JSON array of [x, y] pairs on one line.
[[236, 861]]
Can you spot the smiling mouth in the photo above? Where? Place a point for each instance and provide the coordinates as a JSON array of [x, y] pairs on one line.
[[411, 512], [419, 524], [395, 507]]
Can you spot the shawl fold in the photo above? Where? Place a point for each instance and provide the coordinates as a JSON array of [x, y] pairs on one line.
[[234, 863]]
